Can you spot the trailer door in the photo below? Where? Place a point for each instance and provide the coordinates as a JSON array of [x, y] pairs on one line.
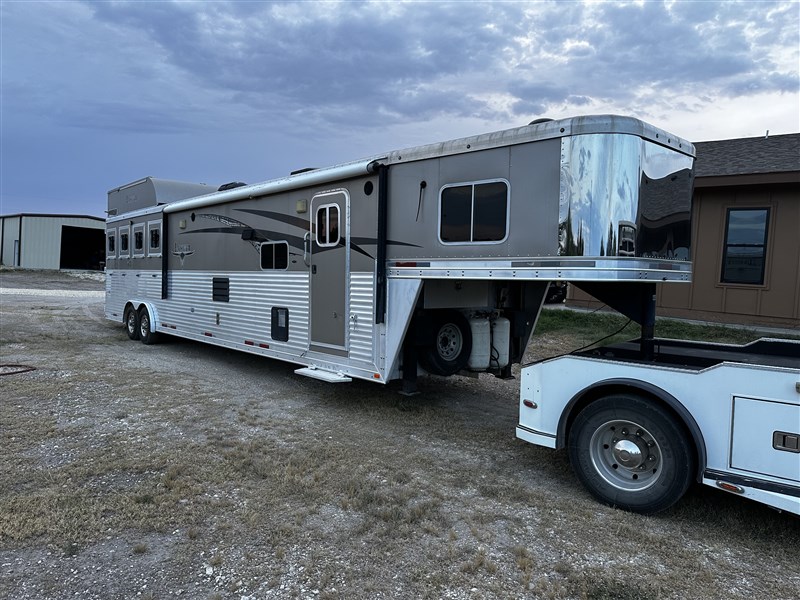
[[329, 268]]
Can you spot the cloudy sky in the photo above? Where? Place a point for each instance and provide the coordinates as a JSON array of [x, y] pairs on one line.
[[98, 94]]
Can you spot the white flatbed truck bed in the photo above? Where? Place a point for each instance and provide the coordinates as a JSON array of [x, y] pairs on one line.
[[639, 431]]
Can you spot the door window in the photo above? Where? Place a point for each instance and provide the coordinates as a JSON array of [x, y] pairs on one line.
[[327, 225]]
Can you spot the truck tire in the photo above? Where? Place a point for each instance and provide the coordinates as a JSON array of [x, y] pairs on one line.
[[631, 453], [131, 321], [449, 348], [146, 333]]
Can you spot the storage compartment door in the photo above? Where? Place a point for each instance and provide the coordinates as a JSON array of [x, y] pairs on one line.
[[765, 438]]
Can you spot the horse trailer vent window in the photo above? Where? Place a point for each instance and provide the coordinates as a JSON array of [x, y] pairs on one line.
[[327, 222], [220, 289], [474, 213], [275, 255], [744, 254], [124, 242], [154, 238], [111, 248], [138, 240]]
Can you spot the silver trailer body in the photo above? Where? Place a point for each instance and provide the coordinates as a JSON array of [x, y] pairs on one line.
[[439, 254]]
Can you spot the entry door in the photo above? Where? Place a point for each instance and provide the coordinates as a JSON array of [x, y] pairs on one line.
[[329, 266]]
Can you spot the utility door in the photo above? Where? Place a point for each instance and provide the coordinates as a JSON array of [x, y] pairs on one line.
[[329, 268]]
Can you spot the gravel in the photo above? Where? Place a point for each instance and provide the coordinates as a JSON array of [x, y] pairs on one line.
[[183, 470]]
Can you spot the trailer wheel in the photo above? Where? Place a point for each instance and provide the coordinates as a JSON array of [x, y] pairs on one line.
[[449, 349], [131, 322], [146, 333], [631, 453]]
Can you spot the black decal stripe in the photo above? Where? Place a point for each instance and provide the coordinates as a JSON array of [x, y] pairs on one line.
[[280, 217]]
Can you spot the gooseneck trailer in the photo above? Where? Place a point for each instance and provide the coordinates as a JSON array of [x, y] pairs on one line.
[[435, 258]]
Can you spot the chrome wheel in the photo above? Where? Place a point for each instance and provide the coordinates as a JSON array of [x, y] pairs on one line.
[[144, 324], [625, 455], [130, 323], [449, 341]]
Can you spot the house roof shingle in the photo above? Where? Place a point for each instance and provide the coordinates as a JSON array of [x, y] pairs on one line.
[[748, 156]]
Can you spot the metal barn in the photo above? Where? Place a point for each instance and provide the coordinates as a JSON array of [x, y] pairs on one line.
[[46, 241]]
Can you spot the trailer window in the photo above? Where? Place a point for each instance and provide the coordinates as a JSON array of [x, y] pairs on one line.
[[111, 246], [275, 255], [745, 246], [138, 240], [124, 242], [327, 223], [474, 212], [154, 238]]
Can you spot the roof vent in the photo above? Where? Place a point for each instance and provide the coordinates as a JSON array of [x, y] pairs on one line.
[[230, 186], [540, 120]]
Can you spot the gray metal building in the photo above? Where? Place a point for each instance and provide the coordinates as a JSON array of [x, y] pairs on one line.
[[45, 241]]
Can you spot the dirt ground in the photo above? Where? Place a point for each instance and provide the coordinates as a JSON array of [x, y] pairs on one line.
[[180, 469]]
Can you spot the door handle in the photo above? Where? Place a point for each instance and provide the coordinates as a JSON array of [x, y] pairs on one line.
[[306, 241]]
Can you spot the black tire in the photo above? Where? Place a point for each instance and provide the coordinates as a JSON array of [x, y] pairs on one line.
[[631, 453], [448, 348], [146, 333], [131, 322]]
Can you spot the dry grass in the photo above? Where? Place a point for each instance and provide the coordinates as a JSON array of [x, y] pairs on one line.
[[159, 464]]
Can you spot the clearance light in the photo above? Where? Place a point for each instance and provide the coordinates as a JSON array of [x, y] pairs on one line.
[[263, 345], [729, 487], [208, 334], [249, 343], [376, 375]]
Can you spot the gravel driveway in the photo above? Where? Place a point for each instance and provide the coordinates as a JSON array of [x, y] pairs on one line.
[[184, 470]]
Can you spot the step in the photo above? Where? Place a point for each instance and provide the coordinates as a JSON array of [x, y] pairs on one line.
[[323, 375]]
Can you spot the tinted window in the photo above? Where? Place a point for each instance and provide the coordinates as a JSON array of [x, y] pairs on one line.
[[745, 246], [275, 255], [328, 225], [155, 238], [474, 213], [111, 244]]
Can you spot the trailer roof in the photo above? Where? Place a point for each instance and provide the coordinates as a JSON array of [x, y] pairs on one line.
[[519, 135]]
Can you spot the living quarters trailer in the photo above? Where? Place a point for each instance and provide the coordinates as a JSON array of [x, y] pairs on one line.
[[438, 256]]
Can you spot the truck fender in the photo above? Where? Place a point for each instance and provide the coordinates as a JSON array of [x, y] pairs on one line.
[[601, 388]]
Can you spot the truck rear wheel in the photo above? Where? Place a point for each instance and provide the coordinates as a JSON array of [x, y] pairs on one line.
[[448, 351], [132, 323], [631, 453]]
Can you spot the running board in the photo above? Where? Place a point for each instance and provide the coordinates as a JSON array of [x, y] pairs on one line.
[[328, 376]]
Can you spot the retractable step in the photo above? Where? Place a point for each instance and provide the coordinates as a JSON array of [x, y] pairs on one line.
[[323, 375]]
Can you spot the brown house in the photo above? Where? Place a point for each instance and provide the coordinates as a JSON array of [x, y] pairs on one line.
[[746, 236]]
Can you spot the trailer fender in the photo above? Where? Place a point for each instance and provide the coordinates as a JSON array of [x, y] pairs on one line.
[[138, 304], [602, 388]]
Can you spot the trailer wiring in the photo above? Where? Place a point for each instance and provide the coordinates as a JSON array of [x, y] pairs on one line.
[[589, 345]]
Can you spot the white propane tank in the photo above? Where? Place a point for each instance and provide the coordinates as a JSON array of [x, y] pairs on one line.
[[481, 344], [501, 335]]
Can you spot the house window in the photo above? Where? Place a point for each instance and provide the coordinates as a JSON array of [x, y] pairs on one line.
[[154, 238], [474, 212], [275, 255], [111, 249], [744, 254], [328, 225], [138, 240]]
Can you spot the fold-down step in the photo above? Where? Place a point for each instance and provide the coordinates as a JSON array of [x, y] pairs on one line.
[[322, 375]]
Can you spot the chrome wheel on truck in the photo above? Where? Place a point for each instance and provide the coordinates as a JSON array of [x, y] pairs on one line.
[[631, 452]]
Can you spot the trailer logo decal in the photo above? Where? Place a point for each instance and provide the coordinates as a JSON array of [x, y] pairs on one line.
[[182, 251]]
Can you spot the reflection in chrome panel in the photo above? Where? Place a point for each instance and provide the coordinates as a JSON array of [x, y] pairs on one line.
[[624, 196]]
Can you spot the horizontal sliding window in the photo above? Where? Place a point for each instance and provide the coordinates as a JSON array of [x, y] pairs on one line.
[[275, 255], [744, 254], [474, 212]]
